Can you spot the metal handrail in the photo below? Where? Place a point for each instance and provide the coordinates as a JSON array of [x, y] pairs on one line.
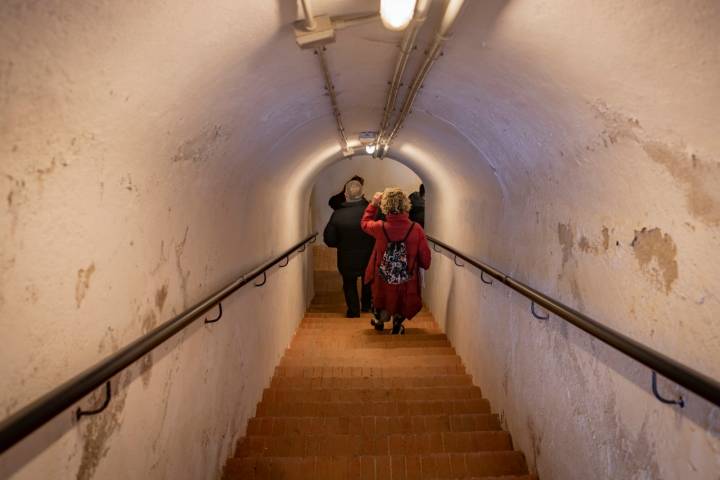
[[696, 382], [31, 417]]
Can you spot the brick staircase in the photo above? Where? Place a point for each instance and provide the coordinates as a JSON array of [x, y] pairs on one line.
[[347, 402]]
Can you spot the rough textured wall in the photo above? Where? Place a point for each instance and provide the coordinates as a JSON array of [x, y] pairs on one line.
[[377, 174], [572, 143], [128, 193], [601, 127]]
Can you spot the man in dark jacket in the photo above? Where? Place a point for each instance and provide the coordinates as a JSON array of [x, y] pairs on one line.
[[353, 247], [337, 200], [417, 211]]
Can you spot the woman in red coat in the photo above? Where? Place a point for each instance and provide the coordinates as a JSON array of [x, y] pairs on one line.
[[402, 300]]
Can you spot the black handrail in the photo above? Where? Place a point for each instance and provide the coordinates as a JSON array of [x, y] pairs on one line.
[[696, 382], [31, 417]]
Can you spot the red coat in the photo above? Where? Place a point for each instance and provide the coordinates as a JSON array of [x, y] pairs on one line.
[[404, 299]]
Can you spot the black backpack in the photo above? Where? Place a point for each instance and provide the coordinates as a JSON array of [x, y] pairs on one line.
[[394, 266]]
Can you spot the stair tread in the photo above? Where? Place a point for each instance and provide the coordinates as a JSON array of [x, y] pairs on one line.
[[462, 392], [321, 445], [505, 465], [470, 422], [393, 407], [346, 401]]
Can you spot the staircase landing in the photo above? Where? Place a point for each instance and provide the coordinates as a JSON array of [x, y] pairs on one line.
[[347, 402]]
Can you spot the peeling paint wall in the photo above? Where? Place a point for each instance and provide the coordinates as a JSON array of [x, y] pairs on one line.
[[127, 196], [609, 157], [150, 152]]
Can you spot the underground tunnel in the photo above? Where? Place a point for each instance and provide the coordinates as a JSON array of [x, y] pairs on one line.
[[156, 153]]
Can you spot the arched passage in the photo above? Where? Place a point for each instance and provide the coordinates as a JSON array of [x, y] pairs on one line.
[[151, 153]]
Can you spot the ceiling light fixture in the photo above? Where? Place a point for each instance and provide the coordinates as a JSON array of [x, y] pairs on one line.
[[370, 149], [396, 14]]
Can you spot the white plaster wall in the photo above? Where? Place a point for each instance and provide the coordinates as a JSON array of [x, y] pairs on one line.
[[130, 192], [378, 174], [599, 124], [177, 143]]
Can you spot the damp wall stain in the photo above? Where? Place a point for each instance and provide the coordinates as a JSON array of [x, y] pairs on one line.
[[149, 321], [701, 179], [656, 253], [161, 296], [605, 238], [97, 430], [566, 237], [535, 441], [83, 283], [200, 148], [184, 276]]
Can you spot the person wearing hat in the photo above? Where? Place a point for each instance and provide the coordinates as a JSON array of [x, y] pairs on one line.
[[337, 200], [353, 246]]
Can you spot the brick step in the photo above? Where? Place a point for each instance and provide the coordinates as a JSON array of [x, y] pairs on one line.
[[299, 408], [300, 351], [511, 465], [340, 315], [290, 445], [369, 335], [362, 331], [363, 361], [340, 308], [357, 343], [363, 320], [360, 323], [372, 395], [357, 372], [341, 383], [373, 425]]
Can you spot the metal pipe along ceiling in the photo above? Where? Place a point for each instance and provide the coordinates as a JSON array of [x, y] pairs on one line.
[[310, 23], [406, 46], [320, 52], [452, 9]]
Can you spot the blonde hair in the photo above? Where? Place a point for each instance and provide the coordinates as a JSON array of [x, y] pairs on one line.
[[394, 201]]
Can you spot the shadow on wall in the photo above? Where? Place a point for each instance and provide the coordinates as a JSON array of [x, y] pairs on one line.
[[561, 334]]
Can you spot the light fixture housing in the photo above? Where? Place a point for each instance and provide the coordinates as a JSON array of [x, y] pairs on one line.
[[396, 14], [370, 148]]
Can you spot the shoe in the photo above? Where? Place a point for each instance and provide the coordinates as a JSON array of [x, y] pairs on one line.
[[350, 314], [398, 328], [377, 324], [365, 309]]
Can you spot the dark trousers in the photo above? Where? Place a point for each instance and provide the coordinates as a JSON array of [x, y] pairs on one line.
[[351, 294]]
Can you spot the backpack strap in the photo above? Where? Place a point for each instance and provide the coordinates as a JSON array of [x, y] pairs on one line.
[[385, 232], [406, 235], [408, 232]]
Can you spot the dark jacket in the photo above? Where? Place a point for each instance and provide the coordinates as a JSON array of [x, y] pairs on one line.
[[343, 232], [336, 201], [417, 212]]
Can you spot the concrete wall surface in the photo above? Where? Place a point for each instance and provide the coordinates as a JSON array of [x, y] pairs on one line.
[[150, 152]]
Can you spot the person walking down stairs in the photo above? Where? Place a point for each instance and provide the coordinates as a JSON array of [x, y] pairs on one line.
[[353, 247], [401, 250]]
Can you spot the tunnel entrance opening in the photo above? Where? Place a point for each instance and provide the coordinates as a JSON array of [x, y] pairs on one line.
[[377, 175]]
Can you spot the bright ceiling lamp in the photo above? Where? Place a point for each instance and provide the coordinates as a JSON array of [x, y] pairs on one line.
[[370, 149], [396, 14]]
